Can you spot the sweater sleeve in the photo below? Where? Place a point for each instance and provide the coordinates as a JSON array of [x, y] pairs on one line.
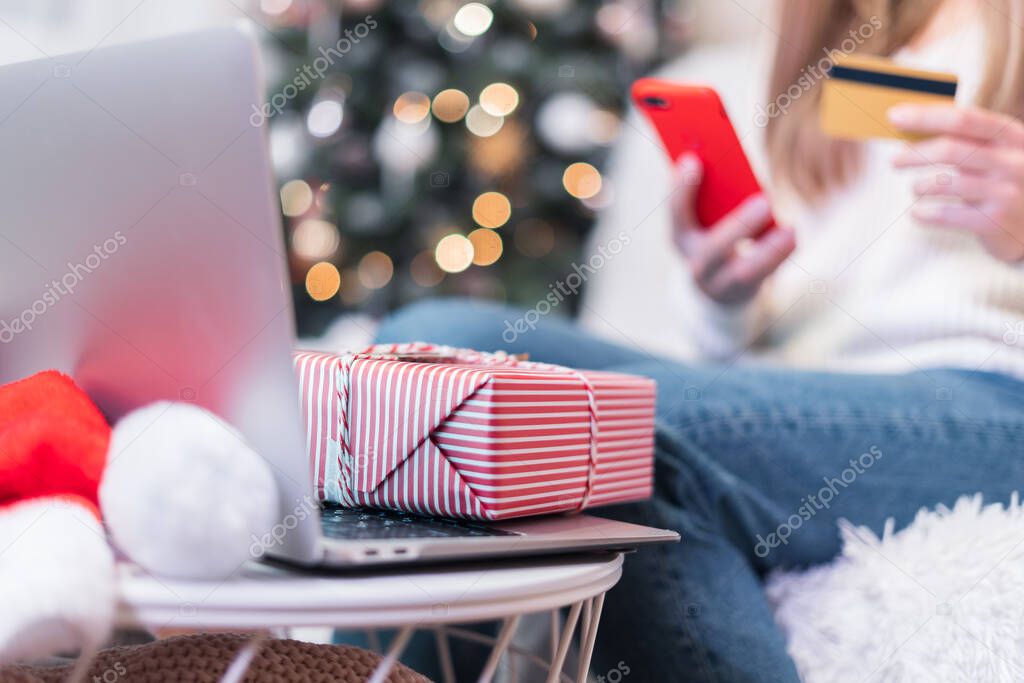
[[717, 331]]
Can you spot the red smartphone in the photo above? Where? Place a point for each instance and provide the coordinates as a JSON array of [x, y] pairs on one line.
[[691, 118]]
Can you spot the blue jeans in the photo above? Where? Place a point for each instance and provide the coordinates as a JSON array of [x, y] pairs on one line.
[[754, 466]]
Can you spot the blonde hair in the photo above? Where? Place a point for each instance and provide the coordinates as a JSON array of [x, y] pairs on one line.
[[800, 155]]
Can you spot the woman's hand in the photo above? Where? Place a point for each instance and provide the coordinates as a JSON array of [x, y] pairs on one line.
[[723, 270], [975, 167]]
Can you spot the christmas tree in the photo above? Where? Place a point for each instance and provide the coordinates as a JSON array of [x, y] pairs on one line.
[[441, 147]]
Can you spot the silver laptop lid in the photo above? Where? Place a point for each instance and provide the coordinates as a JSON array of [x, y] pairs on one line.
[[141, 247]]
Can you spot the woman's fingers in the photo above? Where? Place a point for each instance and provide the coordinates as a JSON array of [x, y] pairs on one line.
[[718, 244], [966, 155], [955, 217], [962, 122], [743, 274], [967, 187], [687, 177]]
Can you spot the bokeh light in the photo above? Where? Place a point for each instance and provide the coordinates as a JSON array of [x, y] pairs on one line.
[[482, 124], [487, 246], [492, 209], [324, 118], [499, 99], [473, 19], [412, 107], [275, 7], [315, 239], [296, 197], [424, 270], [534, 238], [450, 105], [375, 270], [323, 281], [454, 253], [581, 180]]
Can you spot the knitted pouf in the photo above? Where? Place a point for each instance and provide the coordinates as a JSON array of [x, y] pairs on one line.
[[204, 659]]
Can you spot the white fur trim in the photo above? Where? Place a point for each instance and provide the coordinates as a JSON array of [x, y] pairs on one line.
[[56, 579], [941, 600], [183, 495]]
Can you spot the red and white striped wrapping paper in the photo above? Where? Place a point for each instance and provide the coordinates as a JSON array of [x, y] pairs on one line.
[[457, 433]]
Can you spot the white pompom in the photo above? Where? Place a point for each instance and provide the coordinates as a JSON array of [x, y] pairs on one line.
[[183, 494], [56, 579]]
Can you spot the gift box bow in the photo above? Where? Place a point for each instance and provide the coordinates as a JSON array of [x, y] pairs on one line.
[[410, 412]]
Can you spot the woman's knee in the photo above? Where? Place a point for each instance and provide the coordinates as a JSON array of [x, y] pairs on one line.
[[453, 322]]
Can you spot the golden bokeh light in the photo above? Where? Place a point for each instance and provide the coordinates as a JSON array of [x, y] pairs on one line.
[[581, 180], [454, 253], [450, 105], [492, 209], [499, 99], [296, 197], [411, 107], [482, 124], [375, 270], [424, 270], [487, 246], [323, 281], [534, 238], [314, 239]]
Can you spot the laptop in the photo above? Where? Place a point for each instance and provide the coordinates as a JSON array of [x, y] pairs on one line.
[[142, 253]]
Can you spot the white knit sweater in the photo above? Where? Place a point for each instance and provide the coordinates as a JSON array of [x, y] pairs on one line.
[[868, 289]]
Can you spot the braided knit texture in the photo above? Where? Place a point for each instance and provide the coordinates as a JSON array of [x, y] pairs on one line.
[[204, 658]]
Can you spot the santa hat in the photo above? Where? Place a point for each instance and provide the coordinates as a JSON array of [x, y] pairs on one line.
[[56, 568]]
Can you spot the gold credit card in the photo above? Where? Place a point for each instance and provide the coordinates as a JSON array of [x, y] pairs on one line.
[[860, 90]]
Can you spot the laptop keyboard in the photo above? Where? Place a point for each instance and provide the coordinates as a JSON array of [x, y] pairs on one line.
[[361, 524]]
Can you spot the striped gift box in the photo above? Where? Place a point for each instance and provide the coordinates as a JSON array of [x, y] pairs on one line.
[[440, 431]]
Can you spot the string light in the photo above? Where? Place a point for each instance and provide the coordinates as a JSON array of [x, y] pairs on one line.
[[324, 118], [487, 246], [450, 105], [454, 253], [581, 180], [482, 124], [275, 7], [473, 19], [375, 270], [499, 99], [315, 239], [412, 107], [492, 209], [323, 281], [424, 270], [296, 197]]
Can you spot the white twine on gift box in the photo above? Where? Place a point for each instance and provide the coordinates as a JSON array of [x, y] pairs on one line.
[[421, 352]]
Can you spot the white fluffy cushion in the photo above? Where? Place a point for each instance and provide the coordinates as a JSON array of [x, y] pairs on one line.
[[56, 579], [942, 600]]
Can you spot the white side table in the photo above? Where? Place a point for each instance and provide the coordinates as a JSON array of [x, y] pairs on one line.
[[262, 597]]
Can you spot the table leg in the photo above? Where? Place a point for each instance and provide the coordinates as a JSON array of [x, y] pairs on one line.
[[563, 643], [587, 649], [444, 654], [504, 638], [240, 664], [395, 651], [556, 626]]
